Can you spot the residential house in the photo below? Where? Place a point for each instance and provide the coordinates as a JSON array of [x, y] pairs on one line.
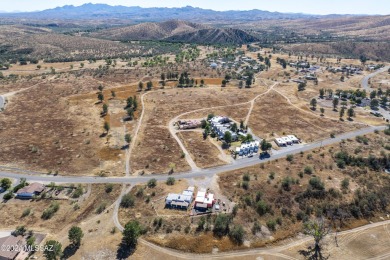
[[30, 191], [11, 242]]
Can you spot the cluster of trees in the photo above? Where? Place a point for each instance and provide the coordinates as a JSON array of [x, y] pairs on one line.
[[372, 162], [282, 62], [131, 106]]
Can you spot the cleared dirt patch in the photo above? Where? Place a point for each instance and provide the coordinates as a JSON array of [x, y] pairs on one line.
[[203, 152]]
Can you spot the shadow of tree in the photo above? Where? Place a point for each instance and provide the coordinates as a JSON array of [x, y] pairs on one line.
[[69, 251], [124, 251], [313, 254]]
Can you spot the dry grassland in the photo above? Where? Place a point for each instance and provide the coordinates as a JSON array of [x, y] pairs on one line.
[[203, 152], [12, 211], [281, 119], [282, 202]]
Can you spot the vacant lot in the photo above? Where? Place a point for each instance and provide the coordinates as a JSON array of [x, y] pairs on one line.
[[203, 152], [70, 211], [382, 80], [268, 120]]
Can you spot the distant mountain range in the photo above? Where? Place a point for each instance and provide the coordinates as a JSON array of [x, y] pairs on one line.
[[176, 31], [139, 14]]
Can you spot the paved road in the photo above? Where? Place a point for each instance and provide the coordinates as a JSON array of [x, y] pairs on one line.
[[365, 80], [366, 86], [2, 102], [35, 176]]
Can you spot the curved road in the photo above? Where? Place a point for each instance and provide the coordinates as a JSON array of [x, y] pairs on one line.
[[366, 86]]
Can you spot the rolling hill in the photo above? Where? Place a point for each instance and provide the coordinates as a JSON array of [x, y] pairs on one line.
[[176, 31], [149, 31]]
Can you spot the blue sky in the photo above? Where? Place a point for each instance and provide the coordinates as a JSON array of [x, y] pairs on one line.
[[295, 6]]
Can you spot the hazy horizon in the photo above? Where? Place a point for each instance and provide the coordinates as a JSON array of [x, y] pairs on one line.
[[380, 7]]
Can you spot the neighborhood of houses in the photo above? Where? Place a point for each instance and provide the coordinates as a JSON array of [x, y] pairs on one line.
[[220, 125], [203, 202]]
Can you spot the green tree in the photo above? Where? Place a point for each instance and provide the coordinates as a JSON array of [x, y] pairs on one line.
[[113, 94], [100, 88], [384, 101], [227, 137], [100, 97], [318, 230], [265, 146], [140, 86], [130, 113], [149, 85], [75, 235], [106, 127], [52, 250], [170, 181], [5, 183], [128, 138], [335, 103], [237, 234], [351, 113], [374, 103], [127, 201], [105, 109], [301, 86], [322, 111], [152, 183], [131, 233], [221, 225], [373, 94], [313, 104], [342, 112], [240, 84], [322, 93]]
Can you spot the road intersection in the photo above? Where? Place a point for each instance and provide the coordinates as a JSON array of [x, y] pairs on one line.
[[36, 176]]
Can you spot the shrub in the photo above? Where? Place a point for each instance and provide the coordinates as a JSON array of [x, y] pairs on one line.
[[345, 184], [290, 157], [50, 211], [152, 183], [271, 224], [8, 196], [262, 208], [256, 228], [109, 187], [101, 208], [237, 234], [171, 181], [286, 183], [78, 192], [246, 177], [127, 201], [308, 170], [140, 192], [245, 185], [316, 183], [26, 212], [221, 225]]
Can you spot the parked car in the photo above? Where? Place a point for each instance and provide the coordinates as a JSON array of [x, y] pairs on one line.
[[216, 206], [2, 190]]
